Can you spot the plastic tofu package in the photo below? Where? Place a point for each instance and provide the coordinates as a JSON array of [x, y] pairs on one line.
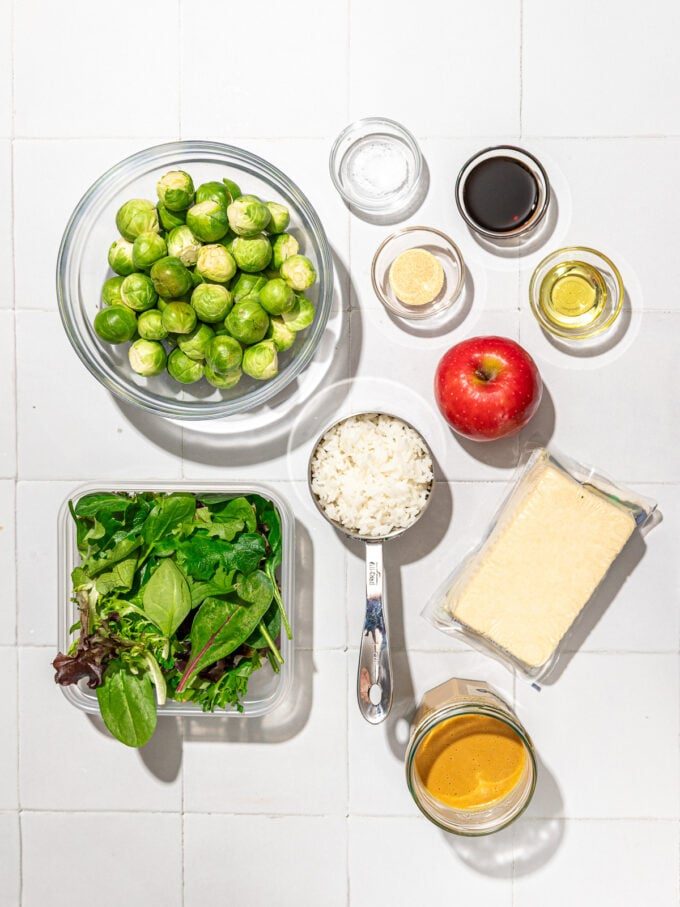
[[519, 593]]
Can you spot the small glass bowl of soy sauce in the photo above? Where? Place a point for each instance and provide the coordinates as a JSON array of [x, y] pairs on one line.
[[502, 192]]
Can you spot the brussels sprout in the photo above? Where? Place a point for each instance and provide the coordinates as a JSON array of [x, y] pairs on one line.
[[251, 253], [195, 345], [120, 257], [147, 357], [211, 302], [146, 249], [247, 285], [215, 263], [300, 316], [281, 334], [248, 216], [224, 353], [150, 325], [116, 324], [277, 297], [179, 318], [213, 191], [175, 190], [135, 217], [111, 291], [183, 244], [170, 219], [196, 278], [224, 382], [247, 321], [261, 361], [283, 247], [232, 188], [184, 369], [137, 292], [280, 218], [162, 304], [170, 277], [298, 272], [208, 220]]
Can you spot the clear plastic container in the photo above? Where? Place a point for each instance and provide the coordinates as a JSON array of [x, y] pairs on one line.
[[266, 689]]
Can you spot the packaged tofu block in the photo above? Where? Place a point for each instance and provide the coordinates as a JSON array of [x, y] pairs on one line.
[[550, 546]]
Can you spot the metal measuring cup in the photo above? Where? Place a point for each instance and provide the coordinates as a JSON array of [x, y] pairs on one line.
[[374, 675]]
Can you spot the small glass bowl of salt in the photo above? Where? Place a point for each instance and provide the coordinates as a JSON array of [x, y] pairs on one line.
[[376, 166]]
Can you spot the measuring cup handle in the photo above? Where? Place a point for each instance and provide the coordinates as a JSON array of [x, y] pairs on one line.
[[374, 678]]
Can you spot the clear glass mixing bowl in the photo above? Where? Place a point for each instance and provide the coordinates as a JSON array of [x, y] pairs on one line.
[[82, 269]]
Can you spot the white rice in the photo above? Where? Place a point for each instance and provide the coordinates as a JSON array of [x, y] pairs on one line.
[[372, 475]]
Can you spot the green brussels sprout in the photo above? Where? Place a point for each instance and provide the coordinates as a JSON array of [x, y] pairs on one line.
[[261, 361], [162, 304], [146, 249], [223, 354], [232, 188], [116, 324], [298, 272], [277, 297], [247, 285], [208, 220], [247, 321], [171, 278], [135, 217], [184, 369], [215, 263], [248, 216], [252, 253], [179, 318], [147, 357], [195, 345], [111, 291], [196, 278], [280, 217], [211, 302], [120, 257], [300, 316], [224, 382], [150, 325], [137, 292], [183, 244], [213, 191], [175, 190], [170, 219], [280, 333], [284, 246]]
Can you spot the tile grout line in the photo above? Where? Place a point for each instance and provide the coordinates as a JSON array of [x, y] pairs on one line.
[[521, 67]]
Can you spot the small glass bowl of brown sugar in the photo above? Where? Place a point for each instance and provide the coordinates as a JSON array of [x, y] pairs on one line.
[[418, 272]]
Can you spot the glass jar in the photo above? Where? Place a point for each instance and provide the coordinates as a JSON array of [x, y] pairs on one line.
[[450, 700]]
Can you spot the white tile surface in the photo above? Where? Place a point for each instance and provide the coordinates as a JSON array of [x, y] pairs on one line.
[[401, 862], [305, 860], [8, 739], [83, 768], [10, 869], [306, 739], [135, 859], [627, 73], [6, 70], [100, 439], [415, 71], [620, 712], [8, 464], [268, 89], [6, 260], [606, 863], [105, 77], [7, 562]]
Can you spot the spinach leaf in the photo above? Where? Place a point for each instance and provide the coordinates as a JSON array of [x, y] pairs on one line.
[[127, 705], [93, 505], [93, 566], [167, 599], [272, 625], [222, 583], [218, 629], [202, 555], [256, 589], [168, 512], [120, 577], [237, 509]]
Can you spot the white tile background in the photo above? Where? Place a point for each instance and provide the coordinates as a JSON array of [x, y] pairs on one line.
[[313, 794]]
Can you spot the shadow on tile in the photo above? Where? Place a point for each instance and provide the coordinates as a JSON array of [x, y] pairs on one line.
[[163, 753], [599, 346]]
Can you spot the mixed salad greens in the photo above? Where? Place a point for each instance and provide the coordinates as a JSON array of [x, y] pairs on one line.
[[178, 598]]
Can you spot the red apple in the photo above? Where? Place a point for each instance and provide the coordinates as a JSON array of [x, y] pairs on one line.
[[487, 387]]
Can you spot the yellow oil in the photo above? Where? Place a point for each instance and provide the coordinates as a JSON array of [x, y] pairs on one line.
[[573, 295]]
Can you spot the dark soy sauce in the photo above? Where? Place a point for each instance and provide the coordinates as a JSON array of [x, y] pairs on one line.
[[500, 194]]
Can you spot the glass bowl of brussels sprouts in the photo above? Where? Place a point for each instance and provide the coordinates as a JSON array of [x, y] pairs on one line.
[[195, 280]]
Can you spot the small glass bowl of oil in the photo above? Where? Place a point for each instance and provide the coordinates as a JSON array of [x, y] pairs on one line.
[[576, 293]]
